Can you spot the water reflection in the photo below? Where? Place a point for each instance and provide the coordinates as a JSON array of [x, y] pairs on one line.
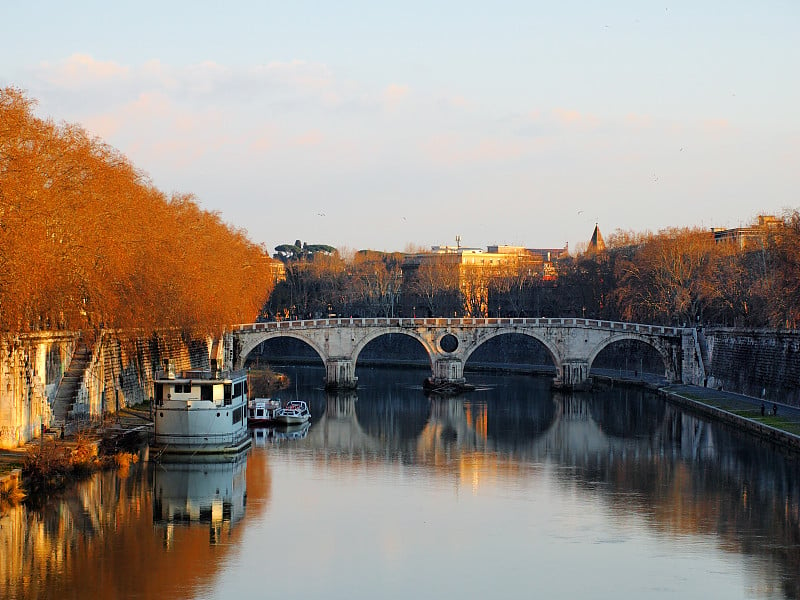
[[622, 456], [154, 531], [210, 493]]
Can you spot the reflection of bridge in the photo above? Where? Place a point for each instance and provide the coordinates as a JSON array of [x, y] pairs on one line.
[[573, 344], [571, 427]]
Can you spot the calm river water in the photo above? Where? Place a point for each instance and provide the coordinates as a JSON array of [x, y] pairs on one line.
[[510, 491]]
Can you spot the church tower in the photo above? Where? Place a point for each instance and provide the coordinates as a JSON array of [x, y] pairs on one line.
[[596, 244]]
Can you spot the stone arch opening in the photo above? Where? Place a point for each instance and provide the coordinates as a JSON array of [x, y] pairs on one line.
[[284, 350], [512, 350], [392, 349], [629, 357]]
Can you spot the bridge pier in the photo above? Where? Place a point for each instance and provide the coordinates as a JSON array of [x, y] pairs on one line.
[[340, 374], [574, 375], [448, 376]]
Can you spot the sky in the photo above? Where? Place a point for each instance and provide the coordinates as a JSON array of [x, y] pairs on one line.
[[396, 125]]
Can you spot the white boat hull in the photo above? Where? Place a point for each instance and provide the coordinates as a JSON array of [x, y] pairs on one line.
[[292, 420]]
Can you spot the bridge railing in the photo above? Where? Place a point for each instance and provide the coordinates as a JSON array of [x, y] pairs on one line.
[[461, 322]]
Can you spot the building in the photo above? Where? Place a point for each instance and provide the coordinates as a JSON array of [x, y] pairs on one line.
[[455, 280], [747, 237], [277, 269]]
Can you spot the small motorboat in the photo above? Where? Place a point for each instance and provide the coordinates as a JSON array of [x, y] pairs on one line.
[[294, 413], [262, 411]]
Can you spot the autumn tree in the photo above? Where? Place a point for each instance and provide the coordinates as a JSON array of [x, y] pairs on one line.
[[431, 285], [88, 242], [669, 278], [375, 278]]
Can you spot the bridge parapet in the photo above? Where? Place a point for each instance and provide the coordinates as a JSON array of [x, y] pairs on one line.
[[462, 322]]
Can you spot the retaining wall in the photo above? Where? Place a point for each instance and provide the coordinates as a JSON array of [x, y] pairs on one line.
[[757, 363]]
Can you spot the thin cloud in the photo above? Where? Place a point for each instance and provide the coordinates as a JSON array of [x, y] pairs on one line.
[[309, 138], [81, 70], [566, 116], [395, 94], [453, 149]]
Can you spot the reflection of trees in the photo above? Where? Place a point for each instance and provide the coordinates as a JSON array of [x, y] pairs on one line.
[[98, 541], [688, 476]]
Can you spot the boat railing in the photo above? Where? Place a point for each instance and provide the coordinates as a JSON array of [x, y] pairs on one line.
[[197, 440]]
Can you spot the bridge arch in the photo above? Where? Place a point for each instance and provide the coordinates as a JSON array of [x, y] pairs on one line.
[[372, 336], [663, 352], [255, 341], [551, 349]]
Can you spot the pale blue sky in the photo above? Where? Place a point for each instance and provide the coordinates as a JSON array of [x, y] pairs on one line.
[[369, 126]]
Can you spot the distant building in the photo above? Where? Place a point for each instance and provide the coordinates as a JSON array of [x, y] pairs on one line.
[[752, 236], [277, 269], [463, 276]]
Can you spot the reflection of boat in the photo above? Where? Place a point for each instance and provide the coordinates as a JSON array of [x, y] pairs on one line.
[[292, 432], [200, 492], [262, 411], [261, 435], [200, 412], [294, 413]]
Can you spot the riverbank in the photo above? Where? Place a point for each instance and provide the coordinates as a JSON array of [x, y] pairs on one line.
[[738, 410], [743, 412], [51, 462]]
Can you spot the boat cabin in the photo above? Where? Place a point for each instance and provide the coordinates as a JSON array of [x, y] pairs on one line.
[[201, 386]]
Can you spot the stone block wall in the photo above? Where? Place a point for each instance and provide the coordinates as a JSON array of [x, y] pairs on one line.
[[123, 368], [31, 367], [755, 362]]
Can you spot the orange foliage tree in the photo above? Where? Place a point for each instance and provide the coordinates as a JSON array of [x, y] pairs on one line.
[[87, 241]]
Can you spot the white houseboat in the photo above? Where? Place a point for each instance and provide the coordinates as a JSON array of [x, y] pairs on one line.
[[200, 412]]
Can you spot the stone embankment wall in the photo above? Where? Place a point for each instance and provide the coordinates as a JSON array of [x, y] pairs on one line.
[[122, 369], [31, 367], [119, 374], [755, 363]]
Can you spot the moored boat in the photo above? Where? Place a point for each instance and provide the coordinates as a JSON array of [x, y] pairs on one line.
[[200, 411], [262, 411], [294, 413]]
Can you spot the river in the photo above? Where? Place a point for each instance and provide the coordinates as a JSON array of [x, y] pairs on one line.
[[510, 491]]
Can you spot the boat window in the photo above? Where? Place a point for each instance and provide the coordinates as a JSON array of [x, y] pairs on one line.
[[206, 392], [159, 393], [237, 389], [237, 415], [227, 395]]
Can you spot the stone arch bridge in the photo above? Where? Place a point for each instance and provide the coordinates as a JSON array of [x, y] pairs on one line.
[[572, 343]]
